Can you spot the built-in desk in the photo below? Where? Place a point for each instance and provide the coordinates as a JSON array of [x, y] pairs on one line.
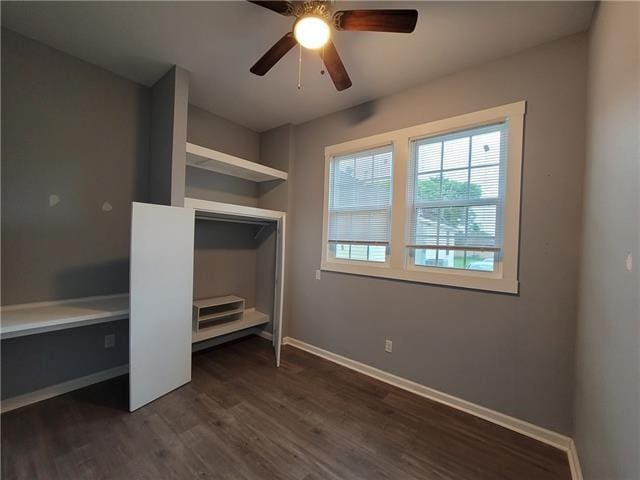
[[33, 318]]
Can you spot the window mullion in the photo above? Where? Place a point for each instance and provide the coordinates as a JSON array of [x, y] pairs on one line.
[[466, 210], [401, 156], [440, 210]]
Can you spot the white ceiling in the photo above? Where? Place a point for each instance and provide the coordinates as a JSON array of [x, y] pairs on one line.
[[218, 42]]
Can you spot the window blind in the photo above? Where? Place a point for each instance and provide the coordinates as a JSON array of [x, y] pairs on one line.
[[456, 191], [360, 197]]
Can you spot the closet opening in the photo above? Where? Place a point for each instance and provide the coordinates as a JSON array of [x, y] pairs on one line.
[[234, 278]]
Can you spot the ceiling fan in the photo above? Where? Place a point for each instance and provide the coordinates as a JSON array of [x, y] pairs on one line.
[[312, 30]]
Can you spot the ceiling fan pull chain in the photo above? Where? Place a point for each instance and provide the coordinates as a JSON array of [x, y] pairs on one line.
[[322, 61], [300, 68]]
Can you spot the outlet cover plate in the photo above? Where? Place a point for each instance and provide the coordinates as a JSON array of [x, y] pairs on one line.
[[110, 340]]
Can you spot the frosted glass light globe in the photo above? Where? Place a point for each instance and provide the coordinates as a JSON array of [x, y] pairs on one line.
[[311, 32]]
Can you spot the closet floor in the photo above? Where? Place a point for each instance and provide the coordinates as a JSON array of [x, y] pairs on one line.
[[241, 418]]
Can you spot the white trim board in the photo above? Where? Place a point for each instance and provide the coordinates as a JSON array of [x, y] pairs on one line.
[[574, 462], [51, 391], [530, 430], [229, 209], [264, 334], [219, 162]]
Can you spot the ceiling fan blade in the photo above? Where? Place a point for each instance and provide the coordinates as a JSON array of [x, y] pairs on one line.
[[274, 54], [278, 6], [335, 67], [399, 21]]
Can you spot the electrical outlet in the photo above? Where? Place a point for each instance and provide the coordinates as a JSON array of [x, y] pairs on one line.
[[388, 346], [317, 274], [110, 340]]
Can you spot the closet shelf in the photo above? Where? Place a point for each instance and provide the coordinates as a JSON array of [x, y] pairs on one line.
[[213, 302], [216, 308], [250, 318], [213, 316], [33, 318], [212, 160]]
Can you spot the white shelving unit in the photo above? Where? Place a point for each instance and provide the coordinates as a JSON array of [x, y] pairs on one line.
[[212, 160], [207, 310], [247, 319], [33, 318], [217, 316]]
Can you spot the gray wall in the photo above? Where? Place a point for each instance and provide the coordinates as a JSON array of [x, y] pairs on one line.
[[72, 129], [211, 131], [510, 353], [37, 361], [216, 187], [75, 130], [276, 151], [167, 170], [607, 420], [225, 260], [265, 272]]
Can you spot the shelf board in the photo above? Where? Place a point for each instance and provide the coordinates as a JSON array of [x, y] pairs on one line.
[[213, 316], [33, 318], [212, 160], [215, 301], [250, 318]]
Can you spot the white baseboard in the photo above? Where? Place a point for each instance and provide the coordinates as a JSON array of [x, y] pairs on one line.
[[266, 335], [64, 387], [544, 435]]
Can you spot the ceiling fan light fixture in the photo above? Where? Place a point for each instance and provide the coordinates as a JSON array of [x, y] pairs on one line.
[[311, 32], [314, 21]]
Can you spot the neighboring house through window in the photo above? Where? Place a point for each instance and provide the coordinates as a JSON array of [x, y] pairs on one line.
[[456, 194]]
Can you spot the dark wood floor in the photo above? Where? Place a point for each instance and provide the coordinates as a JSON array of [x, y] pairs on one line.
[[241, 418]]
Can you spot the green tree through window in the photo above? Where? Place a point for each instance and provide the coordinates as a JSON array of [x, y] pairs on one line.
[[429, 190]]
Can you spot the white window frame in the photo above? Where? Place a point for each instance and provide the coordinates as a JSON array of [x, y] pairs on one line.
[[505, 277], [350, 261]]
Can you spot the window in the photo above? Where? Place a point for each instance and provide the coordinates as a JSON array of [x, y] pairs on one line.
[[436, 203], [360, 205], [456, 195]]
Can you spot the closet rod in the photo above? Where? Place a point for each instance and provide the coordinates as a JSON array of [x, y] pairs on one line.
[[259, 232]]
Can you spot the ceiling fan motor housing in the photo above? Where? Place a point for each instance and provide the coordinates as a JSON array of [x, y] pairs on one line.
[[316, 8]]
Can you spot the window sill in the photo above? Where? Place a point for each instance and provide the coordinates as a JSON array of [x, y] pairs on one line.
[[449, 279]]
